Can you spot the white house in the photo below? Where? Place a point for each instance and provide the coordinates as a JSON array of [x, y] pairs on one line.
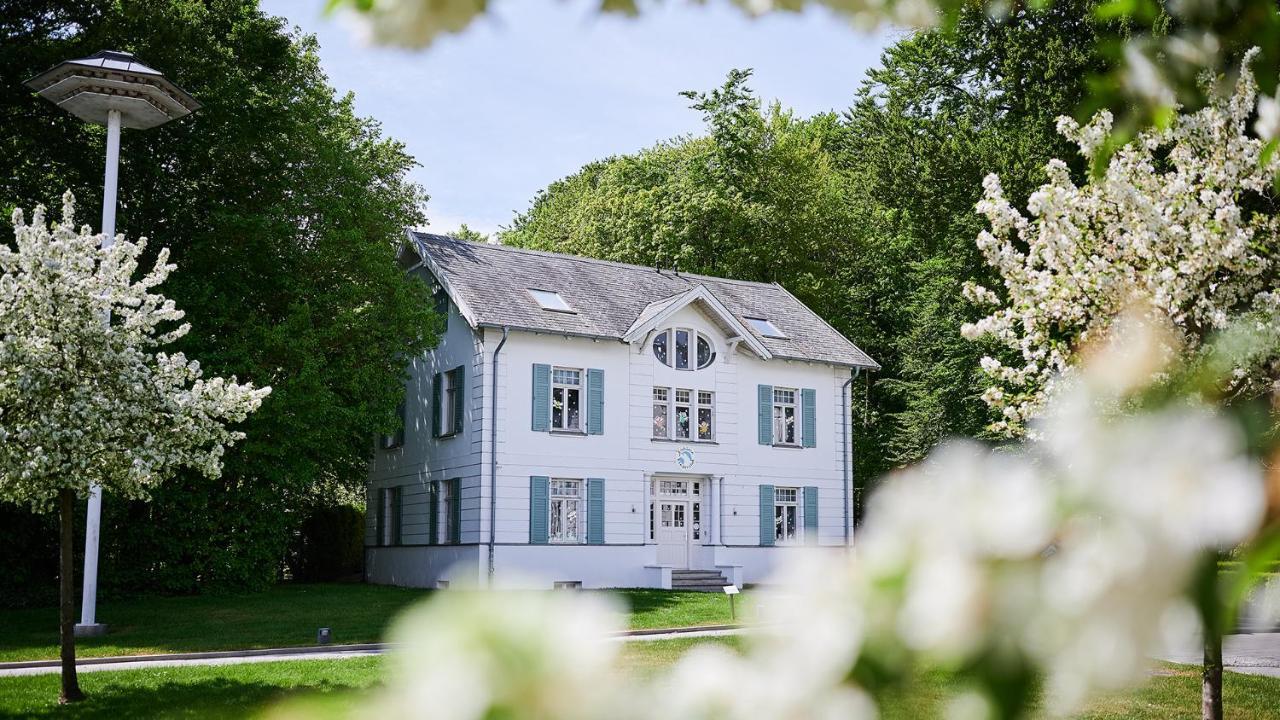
[[584, 422]]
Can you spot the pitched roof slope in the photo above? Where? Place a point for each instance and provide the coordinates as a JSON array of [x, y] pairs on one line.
[[491, 283]]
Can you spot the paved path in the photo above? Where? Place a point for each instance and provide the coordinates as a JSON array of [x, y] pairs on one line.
[[1250, 653], [337, 652]]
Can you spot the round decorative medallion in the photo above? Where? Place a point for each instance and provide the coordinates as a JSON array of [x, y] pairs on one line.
[[684, 458]]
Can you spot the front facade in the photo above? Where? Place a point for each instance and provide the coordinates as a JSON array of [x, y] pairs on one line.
[[647, 422]]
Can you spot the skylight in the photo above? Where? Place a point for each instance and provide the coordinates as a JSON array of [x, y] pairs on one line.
[[764, 327], [550, 300]]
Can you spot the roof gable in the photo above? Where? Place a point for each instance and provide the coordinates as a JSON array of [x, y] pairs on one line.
[[658, 312]]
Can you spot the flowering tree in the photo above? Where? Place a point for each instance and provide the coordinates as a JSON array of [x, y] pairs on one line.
[[1173, 220], [1181, 222], [86, 395]]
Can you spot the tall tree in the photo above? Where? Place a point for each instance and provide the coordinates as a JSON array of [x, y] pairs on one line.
[[868, 218], [285, 210]]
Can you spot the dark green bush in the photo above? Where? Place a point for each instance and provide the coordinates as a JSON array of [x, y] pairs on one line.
[[329, 546]]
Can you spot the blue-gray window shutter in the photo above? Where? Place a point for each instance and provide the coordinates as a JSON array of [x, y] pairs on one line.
[[459, 397], [380, 525], [766, 514], [435, 404], [765, 396], [595, 402], [538, 509], [395, 516], [541, 398], [811, 514], [433, 513], [455, 511], [595, 511], [809, 418]]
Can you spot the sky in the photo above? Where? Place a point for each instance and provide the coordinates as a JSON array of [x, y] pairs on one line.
[[542, 87]]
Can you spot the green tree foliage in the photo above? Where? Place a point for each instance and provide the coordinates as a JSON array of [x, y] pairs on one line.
[[284, 210], [867, 217]]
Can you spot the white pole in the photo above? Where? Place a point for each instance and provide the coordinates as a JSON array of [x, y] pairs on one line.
[[93, 517]]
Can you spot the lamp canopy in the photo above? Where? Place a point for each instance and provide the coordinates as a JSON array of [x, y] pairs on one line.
[[91, 87]]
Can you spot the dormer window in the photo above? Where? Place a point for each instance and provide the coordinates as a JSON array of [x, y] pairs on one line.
[[684, 349], [550, 300], [764, 327]]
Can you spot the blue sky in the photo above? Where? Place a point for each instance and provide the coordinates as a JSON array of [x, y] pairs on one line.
[[545, 86]]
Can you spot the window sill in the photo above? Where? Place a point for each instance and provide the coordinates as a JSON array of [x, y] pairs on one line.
[[791, 446], [567, 433], [446, 436], [684, 441]]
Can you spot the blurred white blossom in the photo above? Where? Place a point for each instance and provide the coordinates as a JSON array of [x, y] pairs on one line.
[[85, 401]]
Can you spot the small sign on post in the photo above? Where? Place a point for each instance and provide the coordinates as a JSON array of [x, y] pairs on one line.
[[731, 590]]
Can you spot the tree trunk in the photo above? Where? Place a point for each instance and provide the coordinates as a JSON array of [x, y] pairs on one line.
[[1211, 679], [67, 595]]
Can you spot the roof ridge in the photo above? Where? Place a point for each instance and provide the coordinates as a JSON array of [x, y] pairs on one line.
[[595, 261]]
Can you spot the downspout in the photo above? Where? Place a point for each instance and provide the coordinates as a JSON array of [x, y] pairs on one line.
[[493, 455], [848, 479]]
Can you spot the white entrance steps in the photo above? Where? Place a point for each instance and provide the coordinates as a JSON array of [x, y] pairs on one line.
[[699, 580]]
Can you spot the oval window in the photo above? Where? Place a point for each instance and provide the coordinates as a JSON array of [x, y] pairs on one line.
[[660, 348], [672, 348], [706, 354]]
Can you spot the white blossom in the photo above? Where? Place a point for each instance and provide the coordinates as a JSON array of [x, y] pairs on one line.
[[87, 395], [1165, 223]]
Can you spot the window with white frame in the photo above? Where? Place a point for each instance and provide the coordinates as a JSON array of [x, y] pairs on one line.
[[706, 414], [660, 410], [786, 515], [684, 349], [449, 421], [683, 414], [566, 399], [765, 327], [565, 504], [784, 417], [444, 516]]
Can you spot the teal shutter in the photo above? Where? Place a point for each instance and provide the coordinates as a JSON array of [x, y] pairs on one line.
[[595, 402], [808, 417], [455, 511], [459, 397], [811, 515], [541, 398], [766, 515], [435, 404], [395, 516], [433, 513], [538, 509], [595, 511], [380, 525], [765, 397]]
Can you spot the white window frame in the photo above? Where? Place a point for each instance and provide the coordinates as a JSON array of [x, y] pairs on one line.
[[443, 516], [784, 499], [386, 533], [662, 399], [565, 388], [764, 326], [551, 301], [559, 501], [669, 337], [695, 403], [449, 424], [780, 407]]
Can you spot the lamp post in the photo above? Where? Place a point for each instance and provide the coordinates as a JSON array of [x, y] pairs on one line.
[[109, 88]]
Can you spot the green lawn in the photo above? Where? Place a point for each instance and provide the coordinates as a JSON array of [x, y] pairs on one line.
[[330, 688], [288, 615]]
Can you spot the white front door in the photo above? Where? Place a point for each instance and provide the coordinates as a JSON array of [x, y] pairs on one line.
[[673, 533]]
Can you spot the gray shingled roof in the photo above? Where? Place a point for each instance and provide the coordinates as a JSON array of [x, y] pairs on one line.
[[491, 283]]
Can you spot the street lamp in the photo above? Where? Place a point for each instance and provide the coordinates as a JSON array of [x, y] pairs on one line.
[[109, 88]]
